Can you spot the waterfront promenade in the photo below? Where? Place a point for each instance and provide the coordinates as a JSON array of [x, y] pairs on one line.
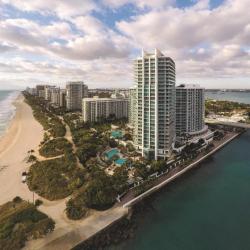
[[130, 200]]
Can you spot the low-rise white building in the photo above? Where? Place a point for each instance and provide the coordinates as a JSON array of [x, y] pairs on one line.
[[95, 109]]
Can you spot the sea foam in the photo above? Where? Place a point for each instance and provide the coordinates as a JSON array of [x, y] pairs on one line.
[[7, 109]]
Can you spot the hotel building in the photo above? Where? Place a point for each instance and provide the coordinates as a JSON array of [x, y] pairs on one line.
[[154, 131], [75, 92], [190, 111], [94, 109]]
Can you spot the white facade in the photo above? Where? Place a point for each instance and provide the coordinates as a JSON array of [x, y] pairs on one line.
[[190, 110], [154, 132], [132, 106], [95, 109], [75, 92]]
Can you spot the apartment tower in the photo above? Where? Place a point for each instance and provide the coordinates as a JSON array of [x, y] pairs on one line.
[[75, 92], [154, 131], [190, 111]]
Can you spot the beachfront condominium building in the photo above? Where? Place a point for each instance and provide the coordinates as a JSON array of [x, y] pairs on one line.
[[132, 106], [62, 101], [40, 90], [47, 90], [55, 96], [190, 111], [154, 132], [75, 92], [95, 109]]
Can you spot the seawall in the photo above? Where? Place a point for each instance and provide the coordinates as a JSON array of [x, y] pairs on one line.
[[180, 173]]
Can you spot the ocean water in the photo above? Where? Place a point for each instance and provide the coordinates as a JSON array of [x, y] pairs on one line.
[[243, 97], [7, 109], [207, 209]]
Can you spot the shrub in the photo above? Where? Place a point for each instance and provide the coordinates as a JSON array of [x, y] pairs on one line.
[[76, 208], [17, 199], [38, 202]]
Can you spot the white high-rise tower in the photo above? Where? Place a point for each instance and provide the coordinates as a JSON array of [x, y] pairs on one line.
[[154, 127]]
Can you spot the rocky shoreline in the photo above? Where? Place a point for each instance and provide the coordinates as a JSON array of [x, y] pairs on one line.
[[121, 230]]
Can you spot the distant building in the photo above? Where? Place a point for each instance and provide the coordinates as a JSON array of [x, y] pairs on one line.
[[48, 92], [154, 131], [62, 102], [95, 109], [55, 96], [190, 111], [40, 90], [75, 92], [132, 106], [31, 91]]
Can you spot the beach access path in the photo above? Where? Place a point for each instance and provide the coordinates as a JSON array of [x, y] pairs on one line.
[[23, 135]]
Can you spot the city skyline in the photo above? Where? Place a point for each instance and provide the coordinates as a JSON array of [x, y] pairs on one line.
[[95, 42]]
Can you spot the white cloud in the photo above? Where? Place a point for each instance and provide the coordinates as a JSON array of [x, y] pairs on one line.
[[93, 40], [205, 43], [139, 3], [195, 34], [61, 8]]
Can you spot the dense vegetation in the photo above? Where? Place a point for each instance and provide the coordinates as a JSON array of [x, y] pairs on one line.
[[47, 119], [100, 193], [55, 179], [218, 107], [89, 140], [20, 221], [55, 147]]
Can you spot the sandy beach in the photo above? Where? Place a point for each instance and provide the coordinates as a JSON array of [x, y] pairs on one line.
[[24, 134]]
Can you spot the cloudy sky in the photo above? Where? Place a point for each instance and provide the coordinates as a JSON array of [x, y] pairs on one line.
[[55, 41]]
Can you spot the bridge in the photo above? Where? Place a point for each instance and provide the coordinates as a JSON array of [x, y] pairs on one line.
[[232, 124]]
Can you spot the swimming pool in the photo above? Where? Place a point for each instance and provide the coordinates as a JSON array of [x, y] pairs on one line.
[[120, 161], [116, 134], [111, 153]]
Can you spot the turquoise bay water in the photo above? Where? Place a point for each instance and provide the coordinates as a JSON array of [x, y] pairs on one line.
[[7, 110], [208, 209], [243, 97]]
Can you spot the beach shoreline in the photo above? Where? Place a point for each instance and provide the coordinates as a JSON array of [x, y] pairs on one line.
[[23, 134], [12, 127]]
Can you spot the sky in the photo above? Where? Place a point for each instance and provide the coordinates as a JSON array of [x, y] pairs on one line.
[[52, 42]]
